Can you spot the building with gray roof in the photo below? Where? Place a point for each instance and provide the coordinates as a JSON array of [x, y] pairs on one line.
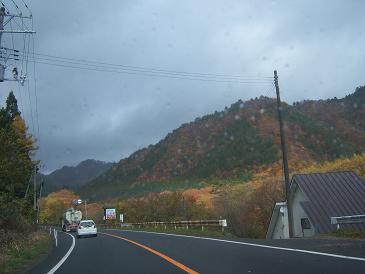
[[315, 199]]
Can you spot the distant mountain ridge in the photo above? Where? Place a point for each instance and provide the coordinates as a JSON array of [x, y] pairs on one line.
[[74, 177], [239, 141]]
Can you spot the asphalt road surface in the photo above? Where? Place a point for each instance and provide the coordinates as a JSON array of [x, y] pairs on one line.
[[138, 252]]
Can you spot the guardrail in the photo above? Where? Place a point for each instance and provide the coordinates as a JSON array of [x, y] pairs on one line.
[[353, 219], [196, 223]]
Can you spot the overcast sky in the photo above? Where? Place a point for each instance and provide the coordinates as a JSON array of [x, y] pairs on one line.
[[318, 48]]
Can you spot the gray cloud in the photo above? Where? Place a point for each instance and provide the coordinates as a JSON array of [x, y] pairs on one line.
[[317, 47]]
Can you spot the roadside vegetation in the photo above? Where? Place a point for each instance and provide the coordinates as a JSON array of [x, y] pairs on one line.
[[54, 205], [18, 237], [18, 250], [16, 168], [348, 233]]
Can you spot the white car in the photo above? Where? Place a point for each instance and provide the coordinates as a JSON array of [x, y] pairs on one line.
[[86, 227]]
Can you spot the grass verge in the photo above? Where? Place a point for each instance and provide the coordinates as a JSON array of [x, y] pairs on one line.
[[347, 233], [22, 253]]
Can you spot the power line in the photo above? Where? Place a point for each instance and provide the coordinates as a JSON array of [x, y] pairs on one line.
[[25, 4], [160, 72], [143, 69], [16, 6], [146, 73], [150, 73], [161, 75]]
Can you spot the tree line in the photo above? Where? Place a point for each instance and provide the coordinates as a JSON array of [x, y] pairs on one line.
[[16, 168]]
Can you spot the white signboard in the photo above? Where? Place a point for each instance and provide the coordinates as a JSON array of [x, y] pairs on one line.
[[121, 218], [110, 214], [223, 223]]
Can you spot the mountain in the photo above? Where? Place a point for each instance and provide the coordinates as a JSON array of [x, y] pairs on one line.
[[237, 142], [74, 177]]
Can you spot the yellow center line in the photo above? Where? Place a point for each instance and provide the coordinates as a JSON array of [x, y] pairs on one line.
[[163, 256]]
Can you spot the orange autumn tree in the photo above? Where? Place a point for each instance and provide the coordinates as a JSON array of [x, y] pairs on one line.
[[55, 204]]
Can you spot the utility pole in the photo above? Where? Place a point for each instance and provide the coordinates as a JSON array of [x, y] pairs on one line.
[[34, 190], [39, 199], [7, 54], [85, 209], [285, 155]]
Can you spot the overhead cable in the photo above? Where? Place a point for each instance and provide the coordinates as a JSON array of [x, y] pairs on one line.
[[187, 77], [54, 58]]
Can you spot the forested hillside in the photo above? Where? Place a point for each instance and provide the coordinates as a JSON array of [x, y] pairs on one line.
[[74, 176], [233, 144]]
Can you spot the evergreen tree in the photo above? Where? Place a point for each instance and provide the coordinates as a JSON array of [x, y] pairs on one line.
[[16, 165], [4, 118], [12, 106]]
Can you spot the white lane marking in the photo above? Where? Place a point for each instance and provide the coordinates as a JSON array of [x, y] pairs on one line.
[[256, 245], [57, 266]]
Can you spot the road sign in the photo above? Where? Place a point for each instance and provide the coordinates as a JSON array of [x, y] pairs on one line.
[[110, 214]]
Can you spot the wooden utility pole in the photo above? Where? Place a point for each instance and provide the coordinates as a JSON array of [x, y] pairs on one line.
[[35, 189], [285, 155], [85, 209]]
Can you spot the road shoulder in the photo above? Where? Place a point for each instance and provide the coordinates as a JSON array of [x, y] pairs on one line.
[[26, 252], [56, 255]]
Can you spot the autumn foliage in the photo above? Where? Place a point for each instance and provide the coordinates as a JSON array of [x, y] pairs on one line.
[[355, 163], [238, 142], [165, 206], [55, 204]]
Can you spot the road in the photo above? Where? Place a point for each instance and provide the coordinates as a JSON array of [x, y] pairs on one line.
[[140, 252]]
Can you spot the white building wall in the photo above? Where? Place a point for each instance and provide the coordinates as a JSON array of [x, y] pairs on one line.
[[298, 214]]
